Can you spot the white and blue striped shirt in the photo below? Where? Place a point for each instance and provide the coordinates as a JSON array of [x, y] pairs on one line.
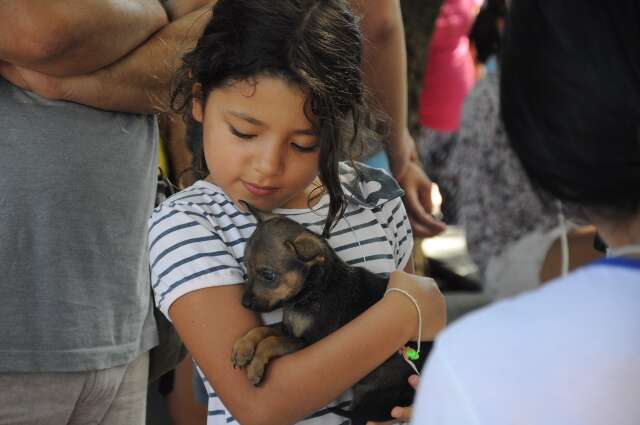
[[197, 239]]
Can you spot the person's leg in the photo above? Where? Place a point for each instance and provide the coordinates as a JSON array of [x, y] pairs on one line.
[[39, 398], [129, 405], [199, 390], [188, 401], [112, 396]]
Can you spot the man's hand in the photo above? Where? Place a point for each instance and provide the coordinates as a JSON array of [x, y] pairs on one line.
[[72, 89], [401, 414], [417, 194], [44, 85]]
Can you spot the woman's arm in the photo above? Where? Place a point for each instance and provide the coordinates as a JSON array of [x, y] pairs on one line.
[[211, 320], [385, 72], [384, 49]]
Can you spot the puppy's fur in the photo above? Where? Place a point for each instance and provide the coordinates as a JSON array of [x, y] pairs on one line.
[[290, 267]]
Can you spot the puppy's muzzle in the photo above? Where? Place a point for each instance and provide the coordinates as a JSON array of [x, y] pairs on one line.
[[258, 304], [251, 302], [247, 301]]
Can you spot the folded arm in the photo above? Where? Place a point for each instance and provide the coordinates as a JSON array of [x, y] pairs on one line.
[[71, 37], [179, 8], [138, 83]]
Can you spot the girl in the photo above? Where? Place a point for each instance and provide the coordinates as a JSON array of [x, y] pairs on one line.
[[278, 99]]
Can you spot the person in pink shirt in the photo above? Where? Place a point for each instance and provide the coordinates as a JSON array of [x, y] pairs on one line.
[[449, 76]]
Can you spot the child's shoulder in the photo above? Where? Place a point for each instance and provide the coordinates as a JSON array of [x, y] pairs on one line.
[[202, 201], [199, 195], [367, 186], [200, 188]]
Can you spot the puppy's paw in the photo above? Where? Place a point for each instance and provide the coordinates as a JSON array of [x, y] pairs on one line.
[[242, 353], [255, 371]]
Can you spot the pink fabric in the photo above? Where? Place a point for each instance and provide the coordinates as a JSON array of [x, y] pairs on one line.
[[450, 72]]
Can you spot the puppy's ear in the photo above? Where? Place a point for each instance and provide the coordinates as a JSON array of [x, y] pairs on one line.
[[307, 248], [261, 216]]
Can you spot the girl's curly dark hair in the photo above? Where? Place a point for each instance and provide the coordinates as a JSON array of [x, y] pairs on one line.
[[315, 44]]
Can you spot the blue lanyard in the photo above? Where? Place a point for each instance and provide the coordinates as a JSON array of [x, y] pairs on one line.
[[632, 263]]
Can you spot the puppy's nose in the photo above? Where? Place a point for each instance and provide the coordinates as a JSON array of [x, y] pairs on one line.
[[247, 300]]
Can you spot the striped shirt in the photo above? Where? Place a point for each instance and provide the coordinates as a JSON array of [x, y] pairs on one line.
[[198, 236]]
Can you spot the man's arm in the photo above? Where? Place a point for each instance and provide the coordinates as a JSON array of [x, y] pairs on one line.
[[179, 8], [71, 37], [138, 83]]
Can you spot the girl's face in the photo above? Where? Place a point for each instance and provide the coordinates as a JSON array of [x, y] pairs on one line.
[[258, 144]]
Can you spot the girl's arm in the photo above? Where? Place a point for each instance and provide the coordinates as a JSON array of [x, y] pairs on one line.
[[211, 320]]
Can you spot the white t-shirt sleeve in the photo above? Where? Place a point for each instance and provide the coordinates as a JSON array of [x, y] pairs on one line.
[[186, 253], [393, 218], [441, 399]]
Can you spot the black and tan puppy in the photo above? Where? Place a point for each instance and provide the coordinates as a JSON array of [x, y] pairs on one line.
[[290, 267]]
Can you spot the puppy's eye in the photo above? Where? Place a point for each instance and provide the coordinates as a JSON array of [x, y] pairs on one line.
[[268, 275]]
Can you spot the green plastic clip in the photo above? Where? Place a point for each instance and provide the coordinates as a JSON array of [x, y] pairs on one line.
[[412, 354]]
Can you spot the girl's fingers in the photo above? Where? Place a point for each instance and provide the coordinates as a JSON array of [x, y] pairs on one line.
[[402, 414], [414, 380]]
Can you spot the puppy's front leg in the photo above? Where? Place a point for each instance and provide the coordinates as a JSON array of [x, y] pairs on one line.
[[245, 347], [269, 348]]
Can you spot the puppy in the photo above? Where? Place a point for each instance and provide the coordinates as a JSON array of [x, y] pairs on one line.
[[288, 266]]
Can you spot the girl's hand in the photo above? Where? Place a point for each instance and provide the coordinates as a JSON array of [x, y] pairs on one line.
[[429, 298], [401, 414]]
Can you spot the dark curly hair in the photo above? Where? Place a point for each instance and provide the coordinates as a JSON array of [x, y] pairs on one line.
[[315, 44], [570, 99]]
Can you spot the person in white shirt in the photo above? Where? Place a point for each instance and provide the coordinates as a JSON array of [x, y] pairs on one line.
[[569, 352]]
